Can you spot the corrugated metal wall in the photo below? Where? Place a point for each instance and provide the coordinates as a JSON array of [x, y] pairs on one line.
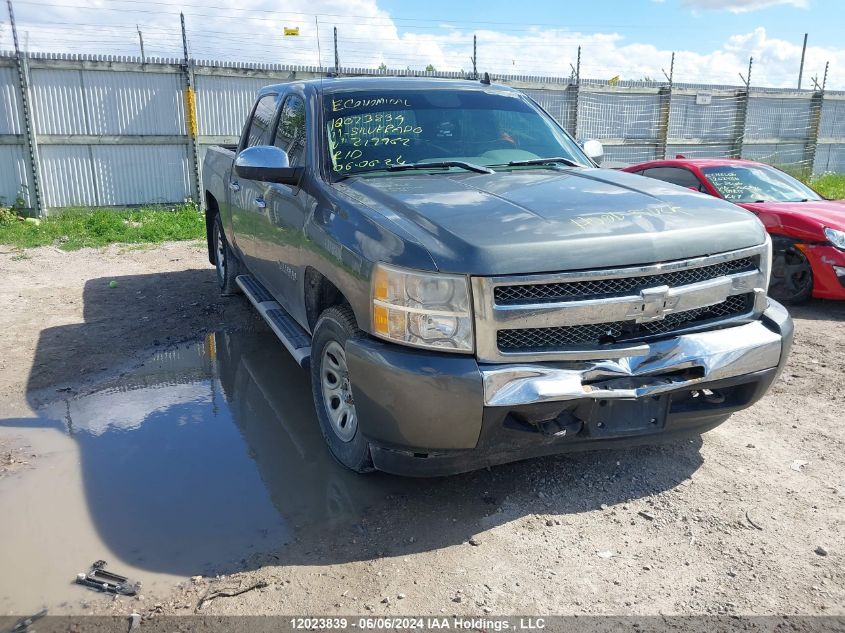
[[59, 102], [104, 102], [223, 103], [14, 174], [10, 118], [134, 103], [67, 176], [152, 173], [71, 103], [112, 131], [830, 153]]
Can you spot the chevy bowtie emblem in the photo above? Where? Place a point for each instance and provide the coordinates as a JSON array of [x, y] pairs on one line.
[[656, 304]]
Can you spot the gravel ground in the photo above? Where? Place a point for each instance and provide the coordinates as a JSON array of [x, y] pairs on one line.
[[748, 519]]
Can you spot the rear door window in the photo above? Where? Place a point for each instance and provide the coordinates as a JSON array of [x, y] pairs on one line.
[[290, 132], [675, 175]]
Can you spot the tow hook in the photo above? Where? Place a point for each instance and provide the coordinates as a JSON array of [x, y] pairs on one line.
[[710, 396]]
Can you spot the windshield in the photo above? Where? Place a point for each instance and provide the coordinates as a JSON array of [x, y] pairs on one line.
[[374, 130], [757, 183]]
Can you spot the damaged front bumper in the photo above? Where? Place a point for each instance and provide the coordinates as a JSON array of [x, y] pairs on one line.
[[666, 366], [432, 414], [828, 263]]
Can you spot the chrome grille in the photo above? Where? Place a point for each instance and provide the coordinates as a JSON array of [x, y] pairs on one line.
[[614, 313], [529, 340], [595, 288]]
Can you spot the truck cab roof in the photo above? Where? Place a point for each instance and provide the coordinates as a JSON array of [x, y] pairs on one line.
[[329, 85]]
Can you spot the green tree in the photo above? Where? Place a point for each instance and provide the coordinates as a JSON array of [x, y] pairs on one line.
[[430, 69]]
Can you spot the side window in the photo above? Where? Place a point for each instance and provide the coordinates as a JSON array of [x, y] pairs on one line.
[[290, 133], [261, 118], [676, 176]]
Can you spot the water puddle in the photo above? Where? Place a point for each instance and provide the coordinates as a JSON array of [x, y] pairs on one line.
[[189, 464], [208, 459]]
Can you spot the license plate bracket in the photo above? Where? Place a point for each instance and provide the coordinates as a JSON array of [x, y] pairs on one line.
[[611, 417]]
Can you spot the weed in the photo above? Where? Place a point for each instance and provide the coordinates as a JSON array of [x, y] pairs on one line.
[[78, 228]]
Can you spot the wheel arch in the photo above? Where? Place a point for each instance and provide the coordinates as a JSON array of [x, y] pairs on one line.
[[782, 246], [211, 209], [320, 294]]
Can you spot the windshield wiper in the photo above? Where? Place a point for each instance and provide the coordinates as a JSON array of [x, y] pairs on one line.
[[480, 169], [544, 161]]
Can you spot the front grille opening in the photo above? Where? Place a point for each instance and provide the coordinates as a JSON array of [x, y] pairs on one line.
[[530, 340], [600, 288]]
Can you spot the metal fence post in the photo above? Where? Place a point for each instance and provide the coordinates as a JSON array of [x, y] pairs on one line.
[[574, 88], [664, 95], [810, 147], [739, 122], [571, 122], [191, 118], [741, 113], [33, 161]]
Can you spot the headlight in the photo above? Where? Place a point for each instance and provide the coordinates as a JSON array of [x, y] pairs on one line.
[[422, 309], [837, 238], [766, 262]]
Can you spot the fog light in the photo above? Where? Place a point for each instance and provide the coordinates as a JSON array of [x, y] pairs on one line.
[[839, 270]]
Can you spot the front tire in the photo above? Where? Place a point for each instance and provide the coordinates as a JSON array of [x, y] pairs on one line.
[[225, 261], [792, 276], [332, 392]]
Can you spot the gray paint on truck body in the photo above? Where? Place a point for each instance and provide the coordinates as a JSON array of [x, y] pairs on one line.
[[523, 221]]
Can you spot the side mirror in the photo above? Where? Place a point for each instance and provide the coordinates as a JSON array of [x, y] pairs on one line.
[[267, 163], [593, 149]]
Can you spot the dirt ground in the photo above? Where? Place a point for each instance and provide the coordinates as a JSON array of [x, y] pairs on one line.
[[749, 519]]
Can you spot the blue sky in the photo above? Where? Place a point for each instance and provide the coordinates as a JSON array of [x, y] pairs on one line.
[[713, 39], [671, 24]]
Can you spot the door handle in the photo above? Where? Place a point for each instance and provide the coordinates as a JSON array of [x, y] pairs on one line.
[[234, 186], [260, 203]]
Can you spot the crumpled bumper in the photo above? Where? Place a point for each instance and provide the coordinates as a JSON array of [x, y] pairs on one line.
[[667, 365], [431, 414]]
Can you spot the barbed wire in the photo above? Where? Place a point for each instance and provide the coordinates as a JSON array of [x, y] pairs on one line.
[[215, 30]]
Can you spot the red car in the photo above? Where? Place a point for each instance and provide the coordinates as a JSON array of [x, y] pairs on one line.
[[808, 232]]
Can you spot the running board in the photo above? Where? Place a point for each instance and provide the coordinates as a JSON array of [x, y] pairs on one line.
[[290, 333]]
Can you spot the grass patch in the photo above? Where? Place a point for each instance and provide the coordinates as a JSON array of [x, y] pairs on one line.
[[79, 228], [831, 186]]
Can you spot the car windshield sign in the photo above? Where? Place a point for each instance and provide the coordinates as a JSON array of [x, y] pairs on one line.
[[757, 183], [377, 130]]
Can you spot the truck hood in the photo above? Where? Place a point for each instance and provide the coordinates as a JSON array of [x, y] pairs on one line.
[[549, 220]]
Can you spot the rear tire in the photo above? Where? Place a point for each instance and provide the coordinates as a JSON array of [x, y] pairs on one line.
[[225, 261], [332, 392], [792, 276]]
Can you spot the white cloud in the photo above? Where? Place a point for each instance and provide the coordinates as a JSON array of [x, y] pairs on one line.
[[741, 6], [368, 36]]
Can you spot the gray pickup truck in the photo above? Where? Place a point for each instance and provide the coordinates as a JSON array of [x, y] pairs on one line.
[[468, 288]]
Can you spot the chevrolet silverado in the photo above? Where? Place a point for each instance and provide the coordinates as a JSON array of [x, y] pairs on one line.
[[467, 287]]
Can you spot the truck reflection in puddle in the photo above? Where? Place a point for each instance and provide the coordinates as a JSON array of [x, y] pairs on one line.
[[208, 453]]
